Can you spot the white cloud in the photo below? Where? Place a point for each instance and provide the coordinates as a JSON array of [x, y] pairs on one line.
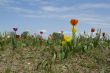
[[75, 8], [50, 8], [21, 10], [36, 2], [3, 2], [32, 1], [54, 9], [45, 16], [94, 6]]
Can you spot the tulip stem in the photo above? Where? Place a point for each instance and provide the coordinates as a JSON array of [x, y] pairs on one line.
[[74, 38], [91, 35]]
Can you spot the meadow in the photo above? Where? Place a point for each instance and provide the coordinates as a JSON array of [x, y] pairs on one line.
[[60, 53]]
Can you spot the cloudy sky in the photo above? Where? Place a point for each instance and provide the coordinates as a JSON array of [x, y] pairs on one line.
[[54, 15]]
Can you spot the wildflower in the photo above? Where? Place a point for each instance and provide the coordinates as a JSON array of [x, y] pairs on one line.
[[15, 29], [74, 30], [92, 29], [74, 22], [67, 38]]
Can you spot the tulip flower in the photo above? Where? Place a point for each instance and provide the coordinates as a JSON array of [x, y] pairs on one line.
[[92, 29], [74, 30], [67, 38], [15, 29], [41, 32], [103, 34], [74, 22]]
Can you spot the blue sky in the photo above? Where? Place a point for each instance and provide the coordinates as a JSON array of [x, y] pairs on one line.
[[54, 15]]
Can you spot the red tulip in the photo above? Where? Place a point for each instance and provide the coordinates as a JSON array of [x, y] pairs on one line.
[[74, 22], [92, 29]]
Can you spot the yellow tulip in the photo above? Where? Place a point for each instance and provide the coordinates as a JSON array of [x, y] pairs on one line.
[[67, 38], [74, 30]]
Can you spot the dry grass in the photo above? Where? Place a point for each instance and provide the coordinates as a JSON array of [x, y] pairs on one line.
[[32, 60]]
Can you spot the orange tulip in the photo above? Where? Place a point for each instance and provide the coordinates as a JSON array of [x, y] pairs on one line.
[[74, 22]]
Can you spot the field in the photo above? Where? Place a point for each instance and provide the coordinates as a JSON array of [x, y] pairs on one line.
[[33, 54], [59, 53]]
